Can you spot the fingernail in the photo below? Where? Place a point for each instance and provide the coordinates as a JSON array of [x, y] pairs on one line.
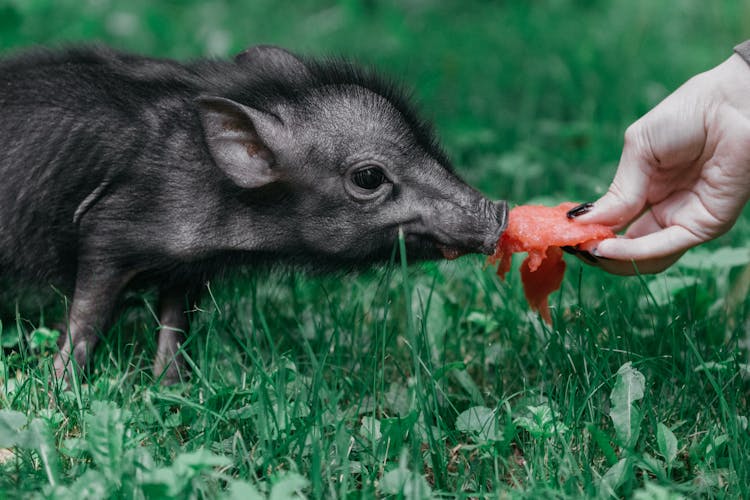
[[594, 252], [581, 209]]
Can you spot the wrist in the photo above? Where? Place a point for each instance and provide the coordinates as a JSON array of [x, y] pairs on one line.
[[743, 50], [731, 81]]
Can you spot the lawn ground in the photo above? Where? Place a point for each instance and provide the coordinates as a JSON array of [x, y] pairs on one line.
[[431, 381]]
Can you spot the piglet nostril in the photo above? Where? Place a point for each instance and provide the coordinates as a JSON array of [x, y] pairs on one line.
[[501, 208], [497, 221]]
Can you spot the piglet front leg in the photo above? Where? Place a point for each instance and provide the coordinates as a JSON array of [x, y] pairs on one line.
[[95, 296]]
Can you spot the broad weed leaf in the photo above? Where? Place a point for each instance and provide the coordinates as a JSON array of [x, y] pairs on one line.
[[480, 422], [370, 429], [40, 438], [403, 482], [392, 482], [172, 481], [11, 423], [483, 320], [201, 459], [242, 490], [43, 338], [742, 422], [74, 447], [625, 415], [653, 491], [399, 399], [467, 383], [91, 485], [163, 483], [651, 465], [289, 486], [716, 444], [723, 258], [475, 419], [541, 421], [37, 437], [10, 336], [393, 430], [614, 478], [667, 442], [105, 436]]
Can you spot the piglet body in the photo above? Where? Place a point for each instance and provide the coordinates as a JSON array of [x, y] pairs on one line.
[[117, 168]]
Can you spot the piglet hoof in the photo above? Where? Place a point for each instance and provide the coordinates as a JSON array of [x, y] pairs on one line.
[[170, 371], [64, 368], [65, 365]]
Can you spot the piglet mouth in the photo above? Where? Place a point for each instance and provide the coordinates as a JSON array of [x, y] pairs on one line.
[[451, 253]]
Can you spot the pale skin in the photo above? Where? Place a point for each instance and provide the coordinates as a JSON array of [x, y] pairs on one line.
[[684, 174]]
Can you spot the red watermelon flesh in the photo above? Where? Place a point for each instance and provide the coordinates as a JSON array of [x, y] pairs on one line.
[[541, 231]]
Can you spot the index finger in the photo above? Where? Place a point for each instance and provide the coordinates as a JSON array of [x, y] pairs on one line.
[[673, 240], [631, 267]]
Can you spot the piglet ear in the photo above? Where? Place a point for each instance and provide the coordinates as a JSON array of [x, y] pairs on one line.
[[272, 59], [238, 138]]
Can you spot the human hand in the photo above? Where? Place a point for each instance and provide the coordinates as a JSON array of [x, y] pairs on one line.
[[684, 174]]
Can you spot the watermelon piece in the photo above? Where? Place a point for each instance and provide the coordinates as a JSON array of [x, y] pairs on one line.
[[541, 231]]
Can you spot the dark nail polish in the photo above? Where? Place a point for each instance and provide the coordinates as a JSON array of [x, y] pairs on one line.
[[588, 257], [581, 209], [595, 254]]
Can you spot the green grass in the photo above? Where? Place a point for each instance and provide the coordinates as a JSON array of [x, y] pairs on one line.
[[425, 381]]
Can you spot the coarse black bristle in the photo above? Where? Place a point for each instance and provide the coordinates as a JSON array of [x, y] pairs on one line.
[[336, 71], [263, 90], [257, 88]]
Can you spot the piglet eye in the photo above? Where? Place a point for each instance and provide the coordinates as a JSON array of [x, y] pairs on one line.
[[369, 178]]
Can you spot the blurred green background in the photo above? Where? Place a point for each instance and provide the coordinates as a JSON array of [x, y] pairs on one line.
[[530, 97]]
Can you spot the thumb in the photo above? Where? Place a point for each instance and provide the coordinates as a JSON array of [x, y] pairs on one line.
[[626, 197]]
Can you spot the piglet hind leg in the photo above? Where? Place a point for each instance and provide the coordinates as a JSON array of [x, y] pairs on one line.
[[89, 316], [174, 323]]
